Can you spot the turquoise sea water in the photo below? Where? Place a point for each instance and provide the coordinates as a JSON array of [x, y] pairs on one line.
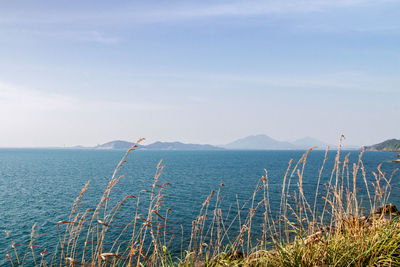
[[40, 185]]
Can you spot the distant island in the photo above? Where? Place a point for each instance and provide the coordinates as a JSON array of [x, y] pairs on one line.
[[156, 146], [254, 142], [264, 142], [392, 145]]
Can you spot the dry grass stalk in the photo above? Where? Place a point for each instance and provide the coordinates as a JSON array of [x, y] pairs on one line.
[[300, 234]]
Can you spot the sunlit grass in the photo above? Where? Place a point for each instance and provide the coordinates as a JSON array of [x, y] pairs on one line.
[[337, 229]]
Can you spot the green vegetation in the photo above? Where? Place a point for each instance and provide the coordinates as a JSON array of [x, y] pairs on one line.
[[344, 232], [354, 245], [388, 145]]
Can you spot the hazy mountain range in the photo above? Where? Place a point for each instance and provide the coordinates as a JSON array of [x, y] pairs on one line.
[[255, 142], [156, 146]]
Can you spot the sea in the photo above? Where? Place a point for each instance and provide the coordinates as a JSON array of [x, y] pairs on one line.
[[41, 185]]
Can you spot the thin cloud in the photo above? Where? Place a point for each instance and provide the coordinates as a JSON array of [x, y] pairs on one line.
[[22, 100], [183, 10], [338, 81], [98, 37], [13, 98], [81, 36], [87, 36], [245, 9]]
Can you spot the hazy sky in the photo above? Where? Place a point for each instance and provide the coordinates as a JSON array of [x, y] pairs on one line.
[[87, 72]]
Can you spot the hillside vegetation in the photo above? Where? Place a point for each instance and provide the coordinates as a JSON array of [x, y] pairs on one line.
[[388, 145]]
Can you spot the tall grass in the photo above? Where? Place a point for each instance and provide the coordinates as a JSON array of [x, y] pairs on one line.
[[333, 227]]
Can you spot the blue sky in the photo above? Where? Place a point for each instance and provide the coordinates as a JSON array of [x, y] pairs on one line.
[[87, 72]]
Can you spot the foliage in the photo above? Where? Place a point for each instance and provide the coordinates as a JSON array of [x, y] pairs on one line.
[[302, 234]]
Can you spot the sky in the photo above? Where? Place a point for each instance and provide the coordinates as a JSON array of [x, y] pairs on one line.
[[208, 72]]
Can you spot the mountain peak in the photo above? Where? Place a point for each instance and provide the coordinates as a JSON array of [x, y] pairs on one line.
[[307, 142], [259, 142], [116, 144]]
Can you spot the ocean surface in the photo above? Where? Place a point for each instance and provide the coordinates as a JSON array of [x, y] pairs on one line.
[[40, 185]]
